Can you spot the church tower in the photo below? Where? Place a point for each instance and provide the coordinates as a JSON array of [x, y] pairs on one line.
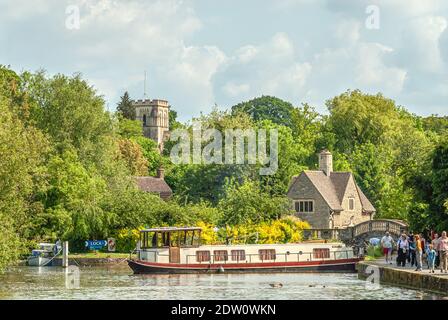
[[154, 117]]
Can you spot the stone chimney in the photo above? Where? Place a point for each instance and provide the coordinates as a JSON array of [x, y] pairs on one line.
[[326, 162], [161, 173]]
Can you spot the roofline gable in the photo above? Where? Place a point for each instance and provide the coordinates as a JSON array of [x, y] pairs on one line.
[[304, 173]]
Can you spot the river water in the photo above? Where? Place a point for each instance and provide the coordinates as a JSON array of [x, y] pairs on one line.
[[118, 282]]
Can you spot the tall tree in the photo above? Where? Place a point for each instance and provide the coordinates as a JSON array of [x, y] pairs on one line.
[[125, 107]]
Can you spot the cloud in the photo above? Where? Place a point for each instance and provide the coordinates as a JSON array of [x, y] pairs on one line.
[[270, 68], [197, 54]]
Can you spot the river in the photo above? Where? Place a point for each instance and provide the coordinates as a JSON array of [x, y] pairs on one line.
[[118, 282]]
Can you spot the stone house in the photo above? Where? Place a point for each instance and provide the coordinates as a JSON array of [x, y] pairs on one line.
[[327, 199], [155, 185]]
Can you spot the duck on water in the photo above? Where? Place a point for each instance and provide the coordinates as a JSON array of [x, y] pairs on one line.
[[179, 250]]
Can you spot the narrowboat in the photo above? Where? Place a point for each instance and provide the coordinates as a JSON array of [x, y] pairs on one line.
[[179, 250]]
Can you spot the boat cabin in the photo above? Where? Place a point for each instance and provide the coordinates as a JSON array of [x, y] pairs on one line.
[[168, 241]]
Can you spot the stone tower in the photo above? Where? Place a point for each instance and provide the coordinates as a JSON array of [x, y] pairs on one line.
[[154, 116], [326, 162]]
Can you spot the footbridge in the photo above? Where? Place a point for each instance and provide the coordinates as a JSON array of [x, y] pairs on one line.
[[357, 235]]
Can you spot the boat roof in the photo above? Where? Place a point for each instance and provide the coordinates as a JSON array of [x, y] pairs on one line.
[[169, 229]]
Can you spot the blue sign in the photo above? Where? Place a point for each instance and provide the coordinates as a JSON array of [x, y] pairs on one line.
[[96, 244]]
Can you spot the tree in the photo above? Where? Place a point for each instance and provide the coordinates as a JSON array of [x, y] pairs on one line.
[[246, 203], [440, 184], [131, 153], [129, 128], [71, 113], [125, 107], [151, 153], [267, 108], [22, 153]]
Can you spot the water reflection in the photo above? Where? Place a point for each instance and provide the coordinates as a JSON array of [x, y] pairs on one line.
[[119, 283]]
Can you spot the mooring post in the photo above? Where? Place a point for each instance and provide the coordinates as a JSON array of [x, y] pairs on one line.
[[65, 254]]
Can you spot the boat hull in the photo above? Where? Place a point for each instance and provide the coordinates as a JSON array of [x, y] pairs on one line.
[[143, 267], [39, 262]]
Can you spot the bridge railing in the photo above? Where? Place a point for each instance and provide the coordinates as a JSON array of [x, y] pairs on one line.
[[349, 233]]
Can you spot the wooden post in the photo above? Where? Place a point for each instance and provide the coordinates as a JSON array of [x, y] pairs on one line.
[[65, 254]]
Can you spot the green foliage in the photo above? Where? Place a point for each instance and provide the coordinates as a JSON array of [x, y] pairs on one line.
[[151, 153], [246, 203], [132, 155], [67, 166], [129, 128], [125, 107], [374, 252], [267, 108]]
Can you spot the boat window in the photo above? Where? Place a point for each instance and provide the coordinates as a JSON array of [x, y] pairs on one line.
[[238, 255], [220, 255], [202, 256], [321, 253], [267, 254]]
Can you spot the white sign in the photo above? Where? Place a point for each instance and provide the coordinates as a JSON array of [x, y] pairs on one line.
[[111, 244]]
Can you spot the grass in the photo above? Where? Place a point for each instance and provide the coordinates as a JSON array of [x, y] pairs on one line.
[[99, 255]]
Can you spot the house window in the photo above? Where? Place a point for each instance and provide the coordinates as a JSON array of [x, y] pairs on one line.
[[238, 255], [220, 255], [267, 254], [202, 256], [321, 253], [144, 120], [304, 206], [351, 204]]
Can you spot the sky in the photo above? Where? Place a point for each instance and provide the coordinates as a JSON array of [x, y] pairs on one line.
[[198, 54]]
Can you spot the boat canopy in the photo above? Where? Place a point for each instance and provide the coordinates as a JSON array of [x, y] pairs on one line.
[[170, 237]]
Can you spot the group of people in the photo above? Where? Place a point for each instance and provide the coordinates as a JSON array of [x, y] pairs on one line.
[[413, 248]]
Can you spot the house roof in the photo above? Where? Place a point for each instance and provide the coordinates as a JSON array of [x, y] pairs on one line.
[[332, 188], [154, 185]]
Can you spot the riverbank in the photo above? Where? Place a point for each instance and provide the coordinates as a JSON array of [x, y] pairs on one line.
[[90, 259], [404, 276]]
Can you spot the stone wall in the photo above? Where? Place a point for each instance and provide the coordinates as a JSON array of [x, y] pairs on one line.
[[405, 278], [344, 218], [303, 189]]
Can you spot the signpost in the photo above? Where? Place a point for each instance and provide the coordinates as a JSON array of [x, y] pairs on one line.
[[111, 244], [95, 244]]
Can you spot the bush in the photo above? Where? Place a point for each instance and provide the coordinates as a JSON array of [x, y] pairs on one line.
[[374, 251]]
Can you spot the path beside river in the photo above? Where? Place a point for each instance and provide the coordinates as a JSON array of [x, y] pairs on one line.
[[391, 274]]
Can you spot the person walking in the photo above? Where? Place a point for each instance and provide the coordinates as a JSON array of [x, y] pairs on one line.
[[443, 249], [387, 244], [435, 246], [402, 248], [424, 245], [418, 252], [412, 256], [431, 258]]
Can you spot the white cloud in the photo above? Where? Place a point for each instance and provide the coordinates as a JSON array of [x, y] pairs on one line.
[[198, 54]]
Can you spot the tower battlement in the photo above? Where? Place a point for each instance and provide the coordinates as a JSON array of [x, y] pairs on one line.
[[154, 117]]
